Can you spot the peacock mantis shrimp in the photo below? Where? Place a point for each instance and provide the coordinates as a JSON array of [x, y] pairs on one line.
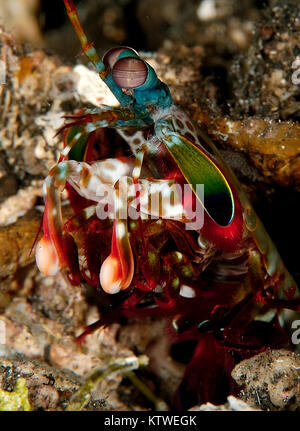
[[166, 227]]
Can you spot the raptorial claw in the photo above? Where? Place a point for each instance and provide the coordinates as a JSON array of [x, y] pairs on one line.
[[56, 250], [46, 257], [117, 270], [111, 275]]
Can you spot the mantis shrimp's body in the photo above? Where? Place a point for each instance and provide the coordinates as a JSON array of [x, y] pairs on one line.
[[199, 255]]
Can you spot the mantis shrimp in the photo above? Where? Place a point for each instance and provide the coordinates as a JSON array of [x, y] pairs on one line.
[[165, 227]]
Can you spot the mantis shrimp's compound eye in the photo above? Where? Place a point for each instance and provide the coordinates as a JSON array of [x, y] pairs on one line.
[[130, 72], [112, 55]]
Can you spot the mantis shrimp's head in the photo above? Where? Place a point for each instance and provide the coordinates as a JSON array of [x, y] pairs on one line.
[[126, 70]]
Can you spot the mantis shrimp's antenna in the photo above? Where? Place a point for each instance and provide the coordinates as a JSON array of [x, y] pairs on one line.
[[88, 48], [103, 68]]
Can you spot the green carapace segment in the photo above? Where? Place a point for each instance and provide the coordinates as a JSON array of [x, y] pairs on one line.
[[197, 168]]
